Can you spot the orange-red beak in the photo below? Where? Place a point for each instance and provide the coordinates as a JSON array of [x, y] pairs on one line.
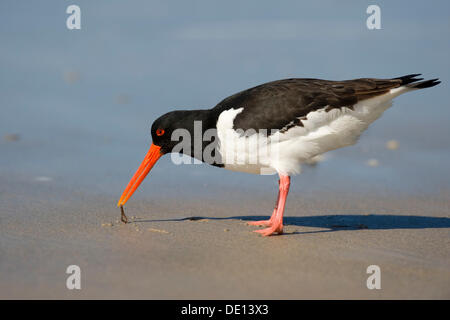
[[149, 161]]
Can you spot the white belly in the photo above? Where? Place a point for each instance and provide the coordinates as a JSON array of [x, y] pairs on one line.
[[283, 152]]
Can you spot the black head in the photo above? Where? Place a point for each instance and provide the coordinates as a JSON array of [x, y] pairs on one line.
[[163, 127]]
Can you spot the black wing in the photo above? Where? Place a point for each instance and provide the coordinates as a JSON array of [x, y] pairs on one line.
[[276, 104]]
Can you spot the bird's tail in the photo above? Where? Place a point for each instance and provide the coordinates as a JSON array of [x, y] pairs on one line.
[[412, 82]]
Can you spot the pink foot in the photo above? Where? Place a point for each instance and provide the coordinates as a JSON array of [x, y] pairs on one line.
[[265, 223], [275, 227]]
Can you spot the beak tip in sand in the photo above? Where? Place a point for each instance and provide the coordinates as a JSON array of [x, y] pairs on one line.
[[123, 217]]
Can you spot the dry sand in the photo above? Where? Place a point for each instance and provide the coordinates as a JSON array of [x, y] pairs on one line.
[[330, 239]]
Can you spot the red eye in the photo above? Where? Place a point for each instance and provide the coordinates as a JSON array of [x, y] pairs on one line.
[[159, 132]]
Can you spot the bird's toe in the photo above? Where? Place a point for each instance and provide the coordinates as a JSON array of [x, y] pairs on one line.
[[271, 230], [265, 223]]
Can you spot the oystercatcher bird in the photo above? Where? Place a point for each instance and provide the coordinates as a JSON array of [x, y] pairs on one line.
[[274, 127]]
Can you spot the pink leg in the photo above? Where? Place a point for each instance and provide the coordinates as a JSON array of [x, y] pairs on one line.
[[277, 220], [267, 223]]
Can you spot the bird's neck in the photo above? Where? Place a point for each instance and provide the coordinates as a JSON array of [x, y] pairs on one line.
[[199, 140]]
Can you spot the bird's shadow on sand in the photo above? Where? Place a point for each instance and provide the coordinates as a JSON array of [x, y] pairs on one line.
[[340, 222]]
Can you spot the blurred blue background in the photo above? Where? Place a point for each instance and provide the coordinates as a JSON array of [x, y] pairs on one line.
[[77, 105]]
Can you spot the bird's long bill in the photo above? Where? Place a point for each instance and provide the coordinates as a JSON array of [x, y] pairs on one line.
[[149, 161]]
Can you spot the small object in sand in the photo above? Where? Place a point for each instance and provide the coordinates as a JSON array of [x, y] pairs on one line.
[[157, 230], [373, 163], [226, 230], [12, 137], [392, 145], [107, 224], [123, 217]]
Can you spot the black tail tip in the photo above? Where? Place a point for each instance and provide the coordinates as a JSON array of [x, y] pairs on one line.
[[426, 84], [412, 81], [410, 78]]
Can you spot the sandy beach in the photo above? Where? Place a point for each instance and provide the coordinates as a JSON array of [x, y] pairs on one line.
[[202, 249]]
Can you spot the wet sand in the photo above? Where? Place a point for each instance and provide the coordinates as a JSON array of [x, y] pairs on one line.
[[330, 239]]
